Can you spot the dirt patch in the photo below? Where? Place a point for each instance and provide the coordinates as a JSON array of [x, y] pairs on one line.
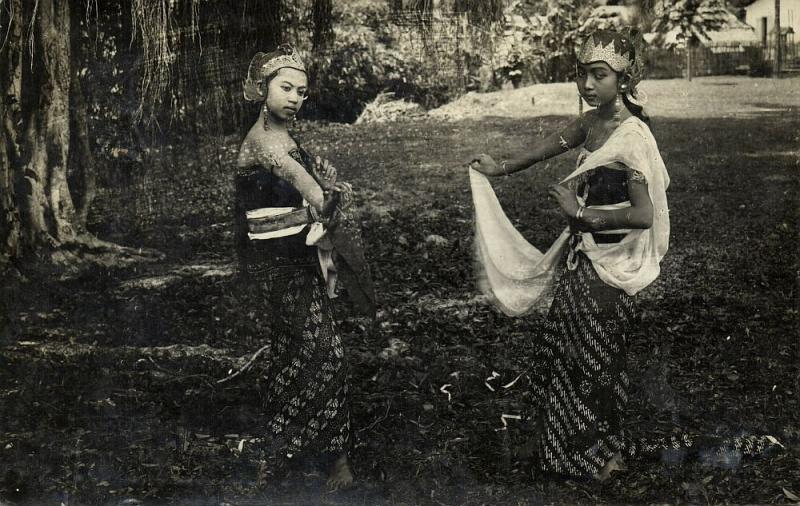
[[702, 97]]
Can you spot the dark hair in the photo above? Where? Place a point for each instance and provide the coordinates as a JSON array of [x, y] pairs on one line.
[[636, 110], [268, 79]]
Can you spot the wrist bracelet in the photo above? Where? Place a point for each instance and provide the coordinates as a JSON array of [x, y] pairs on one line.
[[579, 214], [312, 214]]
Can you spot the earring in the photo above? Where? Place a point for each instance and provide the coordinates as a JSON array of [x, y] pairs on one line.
[[580, 105], [617, 108], [266, 115]]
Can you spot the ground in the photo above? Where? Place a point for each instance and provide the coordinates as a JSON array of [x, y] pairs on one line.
[[109, 382]]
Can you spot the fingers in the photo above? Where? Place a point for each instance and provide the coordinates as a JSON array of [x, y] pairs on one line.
[[477, 160], [324, 169]]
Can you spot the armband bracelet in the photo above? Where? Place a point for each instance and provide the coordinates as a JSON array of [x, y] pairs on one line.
[[313, 215], [579, 214]]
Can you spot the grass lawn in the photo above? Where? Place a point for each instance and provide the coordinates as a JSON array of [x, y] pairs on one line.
[[107, 384]]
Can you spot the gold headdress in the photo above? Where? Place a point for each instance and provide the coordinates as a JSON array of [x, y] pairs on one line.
[[615, 51], [265, 64], [623, 51]]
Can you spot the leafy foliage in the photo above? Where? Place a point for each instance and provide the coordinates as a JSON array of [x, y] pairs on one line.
[[540, 41], [693, 19], [377, 51]]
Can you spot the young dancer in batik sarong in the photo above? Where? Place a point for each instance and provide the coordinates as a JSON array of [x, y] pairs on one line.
[[618, 232], [293, 237]]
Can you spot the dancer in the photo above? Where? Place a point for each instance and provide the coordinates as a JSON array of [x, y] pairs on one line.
[[618, 232], [291, 268]]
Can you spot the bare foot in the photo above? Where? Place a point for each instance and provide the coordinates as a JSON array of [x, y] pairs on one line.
[[615, 464], [340, 476]]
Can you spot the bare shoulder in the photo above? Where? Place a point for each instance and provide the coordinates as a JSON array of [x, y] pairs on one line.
[[266, 148], [247, 151]]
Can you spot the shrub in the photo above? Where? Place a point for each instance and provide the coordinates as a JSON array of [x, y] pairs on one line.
[[370, 56]]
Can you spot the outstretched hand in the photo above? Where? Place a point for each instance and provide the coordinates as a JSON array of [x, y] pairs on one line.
[[484, 164]]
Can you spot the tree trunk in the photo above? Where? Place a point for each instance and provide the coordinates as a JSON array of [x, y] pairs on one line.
[[778, 40], [81, 161], [689, 61], [10, 152], [322, 19], [38, 217], [46, 208]]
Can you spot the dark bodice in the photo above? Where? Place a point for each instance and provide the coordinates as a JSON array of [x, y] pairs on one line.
[[256, 187], [606, 186]]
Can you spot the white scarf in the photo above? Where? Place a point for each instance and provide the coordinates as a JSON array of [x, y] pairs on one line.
[[518, 278]]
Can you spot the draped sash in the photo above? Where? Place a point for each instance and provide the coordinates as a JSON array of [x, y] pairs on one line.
[[518, 278]]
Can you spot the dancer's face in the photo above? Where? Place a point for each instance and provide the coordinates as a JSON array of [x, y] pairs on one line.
[[286, 93], [598, 84]]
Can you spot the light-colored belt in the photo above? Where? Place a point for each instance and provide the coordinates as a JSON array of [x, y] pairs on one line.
[[316, 237]]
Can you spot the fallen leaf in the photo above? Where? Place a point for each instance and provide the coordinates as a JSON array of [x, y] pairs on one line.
[[790, 495]]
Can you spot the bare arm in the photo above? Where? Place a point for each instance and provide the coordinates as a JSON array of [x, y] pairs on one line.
[[560, 142], [555, 144], [276, 155], [288, 169], [638, 215]]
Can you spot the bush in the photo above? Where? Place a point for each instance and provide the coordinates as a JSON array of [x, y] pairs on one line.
[[344, 80], [365, 62]]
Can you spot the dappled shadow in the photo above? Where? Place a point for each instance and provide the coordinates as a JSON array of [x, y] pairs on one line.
[[110, 379]]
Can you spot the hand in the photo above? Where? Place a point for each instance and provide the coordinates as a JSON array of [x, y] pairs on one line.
[[339, 196], [324, 172], [330, 199], [484, 164], [346, 196], [565, 198]]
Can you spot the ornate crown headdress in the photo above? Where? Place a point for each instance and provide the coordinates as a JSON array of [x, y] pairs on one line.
[[623, 51], [609, 47], [290, 58], [265, 64]]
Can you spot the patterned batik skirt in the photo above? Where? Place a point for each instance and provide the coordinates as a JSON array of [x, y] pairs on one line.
[[580, 384], [302, 381], [579, 374]]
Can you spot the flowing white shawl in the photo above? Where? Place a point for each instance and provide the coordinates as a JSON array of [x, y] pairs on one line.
[[518, 278]]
